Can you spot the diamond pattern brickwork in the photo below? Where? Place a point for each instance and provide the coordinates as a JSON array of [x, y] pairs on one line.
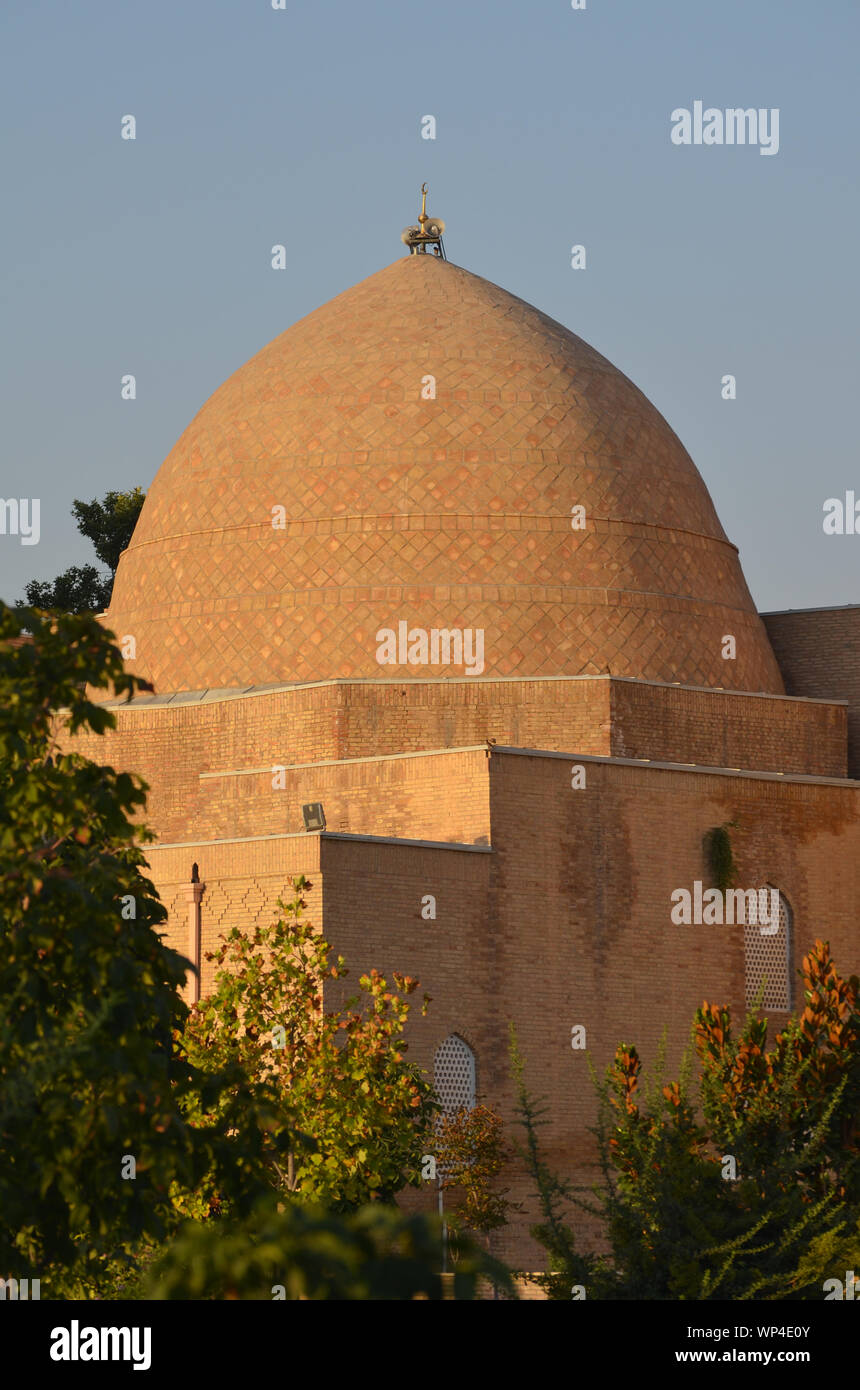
[[449, 512]]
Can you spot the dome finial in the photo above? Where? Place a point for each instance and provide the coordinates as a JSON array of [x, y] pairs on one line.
[[428, 232]]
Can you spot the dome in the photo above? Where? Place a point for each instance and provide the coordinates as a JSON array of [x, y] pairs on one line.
[[413, 452]]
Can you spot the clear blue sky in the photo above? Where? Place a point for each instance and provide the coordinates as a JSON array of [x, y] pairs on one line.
[[302, 126]]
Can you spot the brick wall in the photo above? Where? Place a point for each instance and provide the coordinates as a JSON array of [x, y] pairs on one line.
[[718, 729], [372, 904], [565, 921], [440, 796], [241, 885], [174, 745], [818, 650], [580, 915]]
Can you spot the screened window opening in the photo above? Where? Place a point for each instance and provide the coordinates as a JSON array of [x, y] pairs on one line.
[[454, 1075], [767, 957]]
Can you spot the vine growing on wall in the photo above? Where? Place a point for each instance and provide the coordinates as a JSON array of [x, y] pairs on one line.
[[721, 860]]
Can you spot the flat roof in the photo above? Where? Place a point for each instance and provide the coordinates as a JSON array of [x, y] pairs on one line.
[[755, 774], [216, 694], [834, 608], [657, 763], [327, 835]]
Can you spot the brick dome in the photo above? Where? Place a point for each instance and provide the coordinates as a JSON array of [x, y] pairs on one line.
[[451, 512]]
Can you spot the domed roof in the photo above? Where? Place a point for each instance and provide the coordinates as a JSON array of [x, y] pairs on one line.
[[412, 452]]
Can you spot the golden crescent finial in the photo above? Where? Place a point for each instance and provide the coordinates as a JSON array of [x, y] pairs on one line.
[[423, 217]]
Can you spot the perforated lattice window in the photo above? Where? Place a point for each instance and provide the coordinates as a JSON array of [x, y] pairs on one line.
[[768, 957], [454, 1074]]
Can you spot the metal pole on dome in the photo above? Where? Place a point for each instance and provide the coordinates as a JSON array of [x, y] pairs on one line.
[[427, 231]]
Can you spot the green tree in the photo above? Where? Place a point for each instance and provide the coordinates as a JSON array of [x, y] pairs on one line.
[[567, 1267], [767, 1104], [360, 1111], [835, 1254], [109, 524], [90, 1076], [92, 1070], [80, 589], [305, 1252], [470, 1156], [744, 1191]]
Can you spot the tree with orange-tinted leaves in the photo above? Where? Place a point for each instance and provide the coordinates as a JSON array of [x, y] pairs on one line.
[[470, 1155], [728, 1206], [746, 1189], [767, 1104]]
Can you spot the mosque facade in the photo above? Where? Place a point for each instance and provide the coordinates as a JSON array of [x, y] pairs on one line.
[[439, 613]]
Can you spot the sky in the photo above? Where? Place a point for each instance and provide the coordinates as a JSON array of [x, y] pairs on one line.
[[302, 126]]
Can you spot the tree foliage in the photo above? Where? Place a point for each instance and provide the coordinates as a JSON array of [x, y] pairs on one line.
[[109, 524], [89, 1001], [303, 1251], [742, 1192], [95, 1059], [768, 1105], [470, 1156], [80, 589], [553, 1193], [360, 1111]]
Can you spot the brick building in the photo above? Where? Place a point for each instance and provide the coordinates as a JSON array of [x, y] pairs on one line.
[[425, 455]]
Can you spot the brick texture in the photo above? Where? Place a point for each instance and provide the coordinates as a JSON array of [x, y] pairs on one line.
[[818, 650], [453, 512], [567, 922], [553, 904], [210, 764], [602, 647]]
